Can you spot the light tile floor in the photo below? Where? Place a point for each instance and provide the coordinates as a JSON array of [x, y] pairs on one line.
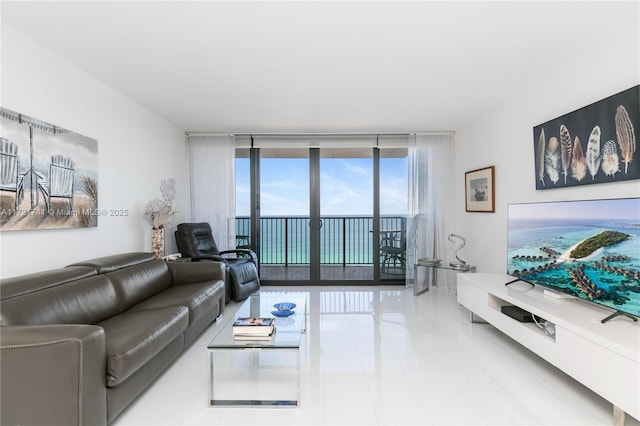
[[382, 356]]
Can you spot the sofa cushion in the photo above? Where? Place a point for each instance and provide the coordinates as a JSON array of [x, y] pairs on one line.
[[133, 338], [244, 280], [117, 261], [198, 298], [23, 284], [85, 301], [139, 282]]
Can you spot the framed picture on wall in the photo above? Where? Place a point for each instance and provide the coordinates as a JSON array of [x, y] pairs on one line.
[[594, 144], [49, 175], [479, 190]]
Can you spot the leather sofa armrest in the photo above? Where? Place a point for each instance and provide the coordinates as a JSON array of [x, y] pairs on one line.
[[243, 253], [211, 257], [53, 374], [196, 272]]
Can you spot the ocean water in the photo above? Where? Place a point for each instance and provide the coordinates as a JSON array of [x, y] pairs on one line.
[[527, 237], [343, 239]]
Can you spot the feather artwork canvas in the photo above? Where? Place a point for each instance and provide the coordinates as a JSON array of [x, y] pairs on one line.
[[552, 160], [593, 152], [578, 161], [610, 161], [565, 148], [591, 145]]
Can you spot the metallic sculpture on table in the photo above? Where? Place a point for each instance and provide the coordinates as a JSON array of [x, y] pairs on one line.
[[460, 264]]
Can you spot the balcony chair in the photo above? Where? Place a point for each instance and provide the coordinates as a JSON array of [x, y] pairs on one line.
[[60, 181], [195, 241], [10, 177], [393, 252]]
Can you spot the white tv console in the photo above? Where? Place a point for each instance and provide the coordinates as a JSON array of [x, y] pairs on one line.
[[603, 357]]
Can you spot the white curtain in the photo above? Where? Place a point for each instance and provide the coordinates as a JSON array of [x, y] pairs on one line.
[[431, 215], [212, 167]]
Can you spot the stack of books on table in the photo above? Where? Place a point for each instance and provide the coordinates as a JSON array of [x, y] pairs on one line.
[[254, 328], [425, 261]]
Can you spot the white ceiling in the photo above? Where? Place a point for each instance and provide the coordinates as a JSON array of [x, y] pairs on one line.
[[323, 66]]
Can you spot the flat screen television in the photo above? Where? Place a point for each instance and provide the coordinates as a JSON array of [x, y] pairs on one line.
[[588, 249]]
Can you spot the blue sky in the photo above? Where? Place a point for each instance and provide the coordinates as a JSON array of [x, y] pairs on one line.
[[346, 186]]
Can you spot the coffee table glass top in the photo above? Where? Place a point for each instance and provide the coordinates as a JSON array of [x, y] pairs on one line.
[[288, 329]]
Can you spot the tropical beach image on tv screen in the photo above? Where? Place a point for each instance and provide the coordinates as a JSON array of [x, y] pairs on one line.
[[589, 249]]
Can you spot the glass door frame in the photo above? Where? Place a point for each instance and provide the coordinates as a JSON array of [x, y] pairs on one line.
[[315, 220], [376, 216], [254, 214]]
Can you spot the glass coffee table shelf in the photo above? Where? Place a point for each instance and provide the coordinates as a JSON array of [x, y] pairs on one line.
[[259, 372], [420, 286]]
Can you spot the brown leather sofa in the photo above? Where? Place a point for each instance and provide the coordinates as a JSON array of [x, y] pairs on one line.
[[78, 344]]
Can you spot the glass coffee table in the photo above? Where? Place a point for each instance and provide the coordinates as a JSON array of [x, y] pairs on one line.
[[256, 372]]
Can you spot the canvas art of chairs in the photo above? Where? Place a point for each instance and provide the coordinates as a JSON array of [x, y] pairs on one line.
[[11, 178], [59, 184]]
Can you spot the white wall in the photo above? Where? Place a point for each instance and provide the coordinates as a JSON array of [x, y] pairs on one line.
[[136, 150], [503, 137]]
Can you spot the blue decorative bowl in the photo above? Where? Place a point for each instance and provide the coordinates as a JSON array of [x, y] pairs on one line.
[[285, 306], [282, 313]]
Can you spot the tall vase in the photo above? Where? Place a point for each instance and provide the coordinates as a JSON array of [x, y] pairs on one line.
[[157, 242]]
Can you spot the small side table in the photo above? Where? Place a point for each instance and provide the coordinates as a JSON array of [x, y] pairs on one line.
[[420, 287]]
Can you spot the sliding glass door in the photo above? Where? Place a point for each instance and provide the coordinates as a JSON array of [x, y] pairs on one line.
[[325, 214], [346, 214], [393, 208], [285, 238]]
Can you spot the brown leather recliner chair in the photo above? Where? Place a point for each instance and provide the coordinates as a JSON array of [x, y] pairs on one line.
[[195, 241]]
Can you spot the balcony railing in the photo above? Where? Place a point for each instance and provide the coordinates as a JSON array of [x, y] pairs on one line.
[[344, 240]]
